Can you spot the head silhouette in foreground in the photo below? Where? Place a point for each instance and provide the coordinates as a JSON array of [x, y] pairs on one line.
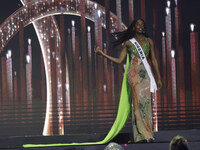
[[113, 146], [178, 143]]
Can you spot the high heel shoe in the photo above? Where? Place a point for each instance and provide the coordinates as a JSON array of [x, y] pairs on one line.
[[151, 140], [131, 141], [142, 141]]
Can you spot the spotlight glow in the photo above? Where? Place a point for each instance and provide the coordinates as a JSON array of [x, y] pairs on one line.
[[172, 53], [168, 3], [192, 26], [29, 41], [89, 28], [167, 10], [163, 34], [73, 23], [28, 58]]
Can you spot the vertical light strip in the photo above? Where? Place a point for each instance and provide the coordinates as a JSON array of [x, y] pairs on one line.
[[84, 60], [174, 97], [69, 82], [119, 14], [15, 88], [9, 75], [4, 79], [96, 44], [89, 44], [73, 37], [28, 83], [164, 67], [105, 74], [194, 48], [29, 76], [100, 76], [168, 44], [131, 11], [68, 107], [181, 94], [90, 74], [178, 89], [59, 90]]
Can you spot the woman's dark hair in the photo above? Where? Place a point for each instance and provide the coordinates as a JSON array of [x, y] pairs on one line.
[[128, 33]]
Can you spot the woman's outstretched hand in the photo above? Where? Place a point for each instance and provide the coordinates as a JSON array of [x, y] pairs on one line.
[[159, 84], [98, 51]]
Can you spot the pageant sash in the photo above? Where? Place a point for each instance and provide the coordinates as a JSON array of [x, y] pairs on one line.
[[153, 86]]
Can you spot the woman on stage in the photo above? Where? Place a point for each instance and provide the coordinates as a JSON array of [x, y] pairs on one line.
[[140, 47]]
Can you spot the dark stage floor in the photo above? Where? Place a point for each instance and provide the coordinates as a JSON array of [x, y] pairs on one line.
[[161, 143]]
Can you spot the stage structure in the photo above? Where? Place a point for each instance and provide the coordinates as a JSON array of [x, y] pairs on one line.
[[180, 80], [29, 76], [75, 79], [195, 71], [9, 76]]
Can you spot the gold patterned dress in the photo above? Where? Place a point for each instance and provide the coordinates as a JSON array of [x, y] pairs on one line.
[[141, 97]]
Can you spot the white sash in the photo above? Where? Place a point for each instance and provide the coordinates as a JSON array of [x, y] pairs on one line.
[[153, 86]]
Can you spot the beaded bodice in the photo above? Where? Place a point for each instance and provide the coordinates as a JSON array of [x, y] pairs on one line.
[[134, 53]]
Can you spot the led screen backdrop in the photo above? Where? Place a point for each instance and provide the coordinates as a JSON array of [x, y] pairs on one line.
[[52, 83]]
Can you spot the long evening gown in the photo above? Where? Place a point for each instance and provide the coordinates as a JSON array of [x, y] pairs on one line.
[[139, 82], [141, 103]]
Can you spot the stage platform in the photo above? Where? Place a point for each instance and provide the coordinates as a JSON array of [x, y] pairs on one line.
[[162, 139]]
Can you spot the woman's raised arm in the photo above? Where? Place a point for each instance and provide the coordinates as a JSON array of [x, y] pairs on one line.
[[118, 60]]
